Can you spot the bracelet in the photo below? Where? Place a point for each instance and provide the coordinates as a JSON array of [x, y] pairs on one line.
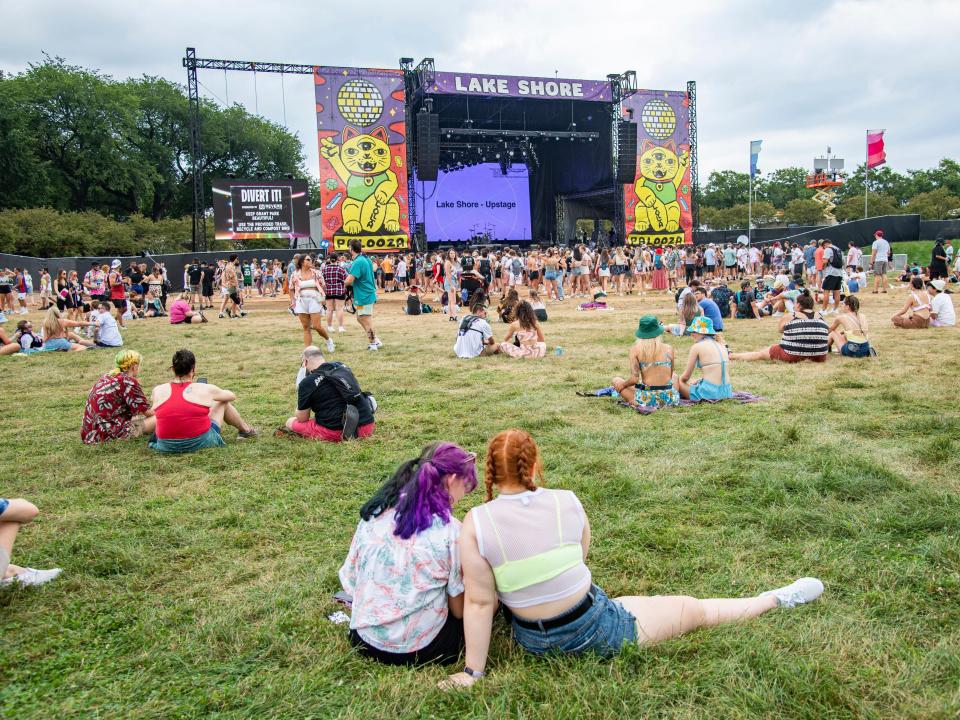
[[475, 674]]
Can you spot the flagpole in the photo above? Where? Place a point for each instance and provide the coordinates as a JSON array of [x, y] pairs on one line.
[[866, 173], [750, 198]]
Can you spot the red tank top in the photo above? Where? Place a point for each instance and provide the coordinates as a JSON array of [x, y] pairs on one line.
[[179, 419], [117, 289]]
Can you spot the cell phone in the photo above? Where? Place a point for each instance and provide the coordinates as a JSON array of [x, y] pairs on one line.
[[343, 598], [202, 380]]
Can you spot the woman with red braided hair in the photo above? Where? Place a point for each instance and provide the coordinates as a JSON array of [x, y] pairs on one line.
[[527, 547]]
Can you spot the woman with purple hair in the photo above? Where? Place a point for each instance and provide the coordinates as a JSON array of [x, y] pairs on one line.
[[403, 570]]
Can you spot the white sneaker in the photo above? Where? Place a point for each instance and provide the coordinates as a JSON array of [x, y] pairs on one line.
[[372, 346], [341, 329], [32, 576], [330, 346], [778, 314], [329, 328], [799, 592], [376, 341]]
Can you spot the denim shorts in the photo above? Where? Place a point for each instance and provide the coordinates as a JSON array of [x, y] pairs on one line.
[[57, 345], [603, 630]]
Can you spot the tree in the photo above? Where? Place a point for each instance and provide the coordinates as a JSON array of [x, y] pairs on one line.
[[883, 181], [934, 205], [786, 184], [803, 212], [726, 188], [763, 212], [852, 207]]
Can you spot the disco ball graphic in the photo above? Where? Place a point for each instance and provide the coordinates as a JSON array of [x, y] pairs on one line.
[[360, 102], [659, 119]]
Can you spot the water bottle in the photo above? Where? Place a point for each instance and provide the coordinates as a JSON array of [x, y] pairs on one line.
[[559, 351]]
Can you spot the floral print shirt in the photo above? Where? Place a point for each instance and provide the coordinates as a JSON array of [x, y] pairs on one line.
[[111, 405], [400, 587]]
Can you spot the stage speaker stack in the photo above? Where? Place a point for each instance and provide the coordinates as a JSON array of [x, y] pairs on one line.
[[428, 145], [627, 152]]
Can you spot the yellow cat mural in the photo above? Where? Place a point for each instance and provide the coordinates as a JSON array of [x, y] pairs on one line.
[[660, 172], [362, 162]]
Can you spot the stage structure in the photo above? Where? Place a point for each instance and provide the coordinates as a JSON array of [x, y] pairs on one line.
[[417, 157]]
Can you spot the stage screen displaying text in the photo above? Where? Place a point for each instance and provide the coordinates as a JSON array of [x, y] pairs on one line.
[[256, 209], [477, 202]]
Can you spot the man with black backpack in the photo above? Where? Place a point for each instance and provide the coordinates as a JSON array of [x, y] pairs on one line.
[[832, 275], [474, 334], [341, 410]]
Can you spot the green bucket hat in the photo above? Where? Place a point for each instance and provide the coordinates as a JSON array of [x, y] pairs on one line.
[[649, 327]]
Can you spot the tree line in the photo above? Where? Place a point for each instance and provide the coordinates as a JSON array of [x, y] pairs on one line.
[[782, 196], [94, 165]]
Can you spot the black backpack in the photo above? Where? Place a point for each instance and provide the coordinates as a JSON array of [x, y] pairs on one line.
[[466, 262], [346, 385], [836, 258]]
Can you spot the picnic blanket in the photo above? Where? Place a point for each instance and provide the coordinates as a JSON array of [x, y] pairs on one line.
[[740, 397]]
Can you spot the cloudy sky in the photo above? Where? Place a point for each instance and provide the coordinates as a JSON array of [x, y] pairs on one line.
[[800, 76]]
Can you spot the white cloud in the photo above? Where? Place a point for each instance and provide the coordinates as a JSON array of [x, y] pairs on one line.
[[798, 75]]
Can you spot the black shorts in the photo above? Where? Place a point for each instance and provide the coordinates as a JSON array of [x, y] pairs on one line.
[[120, 304], [388, 277], [5, 290], [534, 274], [235, 298], [832, 282], [337, 297], [444, 649], [61, 304]]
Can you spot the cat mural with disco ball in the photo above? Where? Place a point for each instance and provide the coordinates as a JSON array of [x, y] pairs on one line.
[[362, 131], [658, 203]]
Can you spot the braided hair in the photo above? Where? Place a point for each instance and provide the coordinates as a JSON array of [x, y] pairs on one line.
[[513, 457]]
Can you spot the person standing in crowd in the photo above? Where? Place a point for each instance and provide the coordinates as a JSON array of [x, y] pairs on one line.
[[403, 569], [879, 260], [938, 261], [810, 260], [330, 390], [854, 256], [334, 277], [14, 513], [206, 286], [46, 289], [832, 282], [942, 313], [915, 313], [818, 262], [118, 291], [308, 288], [450, 284], [95, 283], [231, 286], [189, 414], [361, 280], [195, 275]]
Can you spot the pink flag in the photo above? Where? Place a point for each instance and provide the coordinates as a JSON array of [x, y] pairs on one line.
[[875, 154]]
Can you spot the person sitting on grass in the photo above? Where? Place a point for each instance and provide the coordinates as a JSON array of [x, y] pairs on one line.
[[539, 309], [106, 332], [805, 336], [15, 512], [689, 309], [652, 382], [25, 336], [849, 330], [709, 309], [746, 301], [414, 304], [152, 307], [57, 336], [117, 408], [474, 335], [189, 414], [8, 345], [527, 548], [403, 570], [942, 313], [341, 410], [712, 358], [507, 305], [527, 332], [915, 313], [181, 312]]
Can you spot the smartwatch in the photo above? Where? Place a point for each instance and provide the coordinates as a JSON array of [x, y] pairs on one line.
[[475, 674]]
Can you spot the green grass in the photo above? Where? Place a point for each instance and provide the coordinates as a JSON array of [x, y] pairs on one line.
[[199, 586]]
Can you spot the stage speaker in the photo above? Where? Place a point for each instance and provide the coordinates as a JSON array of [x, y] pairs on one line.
[[626, 152], [428, 145]]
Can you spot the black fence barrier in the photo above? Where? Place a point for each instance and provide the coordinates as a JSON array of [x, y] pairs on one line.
[[759, 235], [940, 229]]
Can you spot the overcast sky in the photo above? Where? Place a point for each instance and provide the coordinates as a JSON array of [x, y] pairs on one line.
[[799, 76]]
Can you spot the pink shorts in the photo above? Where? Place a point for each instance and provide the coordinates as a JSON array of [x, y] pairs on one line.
[[314, 431]]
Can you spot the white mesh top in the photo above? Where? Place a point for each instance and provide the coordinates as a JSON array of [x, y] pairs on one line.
[[532, 540]]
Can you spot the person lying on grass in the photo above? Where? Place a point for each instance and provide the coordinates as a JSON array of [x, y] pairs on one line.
[[652, 382], [805, 336], [14, 513], [403, 569], [712, 358], [341, 411], [116, 407], [189, 414], [527, 547]]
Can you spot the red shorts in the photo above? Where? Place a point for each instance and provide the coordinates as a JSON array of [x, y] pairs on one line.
[[778, 353], [314, 431]]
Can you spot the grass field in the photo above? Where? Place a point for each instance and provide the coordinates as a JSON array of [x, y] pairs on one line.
[[199, 586]]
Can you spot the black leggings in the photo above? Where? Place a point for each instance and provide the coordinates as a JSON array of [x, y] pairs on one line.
[[444, 649]]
